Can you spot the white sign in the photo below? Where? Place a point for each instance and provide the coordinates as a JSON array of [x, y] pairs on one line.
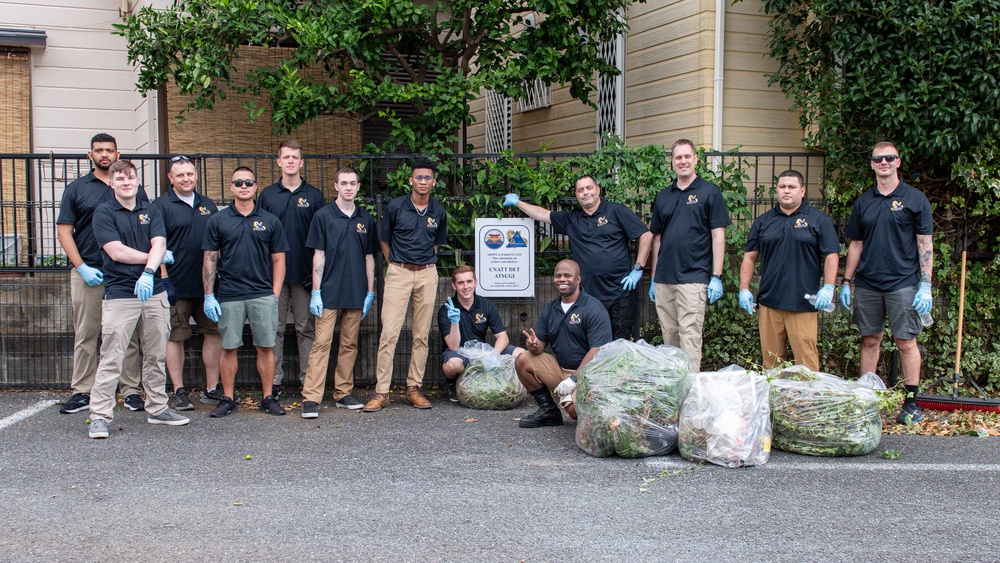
[[505, 257]]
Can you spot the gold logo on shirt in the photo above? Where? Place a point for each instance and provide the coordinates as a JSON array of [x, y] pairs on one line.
[[204, 210], [303, 202], [897, 205], [480, 318], [601, 221], [144, 218], [361, 229], [259, 226], [574, 319], [432, 223], [801, 224], [692, 199]]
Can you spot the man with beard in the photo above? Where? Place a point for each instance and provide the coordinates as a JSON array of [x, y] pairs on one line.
[[76, 236], [574, 326]]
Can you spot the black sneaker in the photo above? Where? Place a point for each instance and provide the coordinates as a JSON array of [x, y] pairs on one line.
[[135, 403], [76, 403], [349, 402], [225, 406], [276, 391], [270, 405], [212, 396], [453, 391], [181, 400], [310, 409], [911, 413]]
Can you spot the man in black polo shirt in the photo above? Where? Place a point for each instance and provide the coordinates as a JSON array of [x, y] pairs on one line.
[[574, 326], [185, 214], [473, 315], [599, 233], [76, 236], [412, 228], [294, 202], [890, 260], [689, 247], [130, 234], [796, 245], [345, 242], [245, 246]]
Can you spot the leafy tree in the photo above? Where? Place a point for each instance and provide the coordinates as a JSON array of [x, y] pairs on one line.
[[357, 57]]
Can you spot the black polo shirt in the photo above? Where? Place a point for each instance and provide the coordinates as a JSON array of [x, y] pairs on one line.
[[600, 245], [684, 219], [346, 242], [185, 230], [245, 246], [792, 251], [134, 228], [295, 210], [412, 235], [572, 334], [888, 226], [474, 321], [79, 201]]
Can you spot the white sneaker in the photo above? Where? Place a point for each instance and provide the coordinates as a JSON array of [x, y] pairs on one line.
[[98, 428]]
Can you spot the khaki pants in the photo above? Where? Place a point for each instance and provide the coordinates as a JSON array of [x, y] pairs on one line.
[[798, 328], [681, 310], [122, 320], [319, 357], [295, 295], [87, 304], [400, 285], [548, 372]]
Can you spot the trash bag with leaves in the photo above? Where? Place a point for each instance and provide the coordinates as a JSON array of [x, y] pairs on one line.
[[820, 414], [489, 381], [627, 399], [726, 418]]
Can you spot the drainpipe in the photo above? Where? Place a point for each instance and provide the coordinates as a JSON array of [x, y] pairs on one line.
[[720, 50]]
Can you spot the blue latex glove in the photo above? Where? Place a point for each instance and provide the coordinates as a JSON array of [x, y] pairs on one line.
[[845, 296], [369, 298], [714, 290], [746, 301], [171, 291], [630, 279], [922, 301], [824, 297], [510, 200], [168, 258], [316, 303], [454, 313], [92, 276], [652, 290], [144, 287], [212, 308]]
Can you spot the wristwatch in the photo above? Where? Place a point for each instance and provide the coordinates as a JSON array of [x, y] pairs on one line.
[[637, 266], [717, 276], [147, 271], [848, 281]]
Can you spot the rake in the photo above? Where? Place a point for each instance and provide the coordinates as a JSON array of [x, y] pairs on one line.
[[954, 402]]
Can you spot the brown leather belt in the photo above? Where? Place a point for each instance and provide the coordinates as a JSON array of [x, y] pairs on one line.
[[413, 267]]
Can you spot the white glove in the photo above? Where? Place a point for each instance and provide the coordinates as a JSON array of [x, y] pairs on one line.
[[565, 388], [566, 401]]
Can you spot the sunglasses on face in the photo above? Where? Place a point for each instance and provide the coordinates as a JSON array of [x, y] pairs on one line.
[[241, 183], [890, 158], [423, 178]]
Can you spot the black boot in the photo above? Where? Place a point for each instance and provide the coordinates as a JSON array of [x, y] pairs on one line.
[[547, 414]]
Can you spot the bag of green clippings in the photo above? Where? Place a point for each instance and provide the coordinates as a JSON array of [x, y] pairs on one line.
[[489, 381], [627, 399], [821, 414]]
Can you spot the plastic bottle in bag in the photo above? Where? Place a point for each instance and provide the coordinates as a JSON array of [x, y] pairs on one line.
[[812, 301]]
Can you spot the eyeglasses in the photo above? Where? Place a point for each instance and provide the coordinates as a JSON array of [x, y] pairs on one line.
[[890, 158], [241, 183], [423, 178], [179, 158]]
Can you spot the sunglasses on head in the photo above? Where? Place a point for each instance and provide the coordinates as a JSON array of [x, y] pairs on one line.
[[247, 183], [179, 158], [890, 158]]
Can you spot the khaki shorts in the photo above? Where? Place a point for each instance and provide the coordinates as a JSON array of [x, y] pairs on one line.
[[262, 313], [180, 319]]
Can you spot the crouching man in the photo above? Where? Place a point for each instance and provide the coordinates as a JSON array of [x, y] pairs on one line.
[[574, 326], [466, 317]]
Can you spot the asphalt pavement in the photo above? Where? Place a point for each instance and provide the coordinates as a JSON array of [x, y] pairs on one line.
[[453, 484]]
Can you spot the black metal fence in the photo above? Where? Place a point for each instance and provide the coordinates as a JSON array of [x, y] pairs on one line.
[[36, 327]]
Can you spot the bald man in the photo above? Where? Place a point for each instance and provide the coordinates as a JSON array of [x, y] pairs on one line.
[[573, 326]]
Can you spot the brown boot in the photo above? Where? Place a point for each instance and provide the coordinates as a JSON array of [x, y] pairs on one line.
[[377, 403], [415, 397]]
